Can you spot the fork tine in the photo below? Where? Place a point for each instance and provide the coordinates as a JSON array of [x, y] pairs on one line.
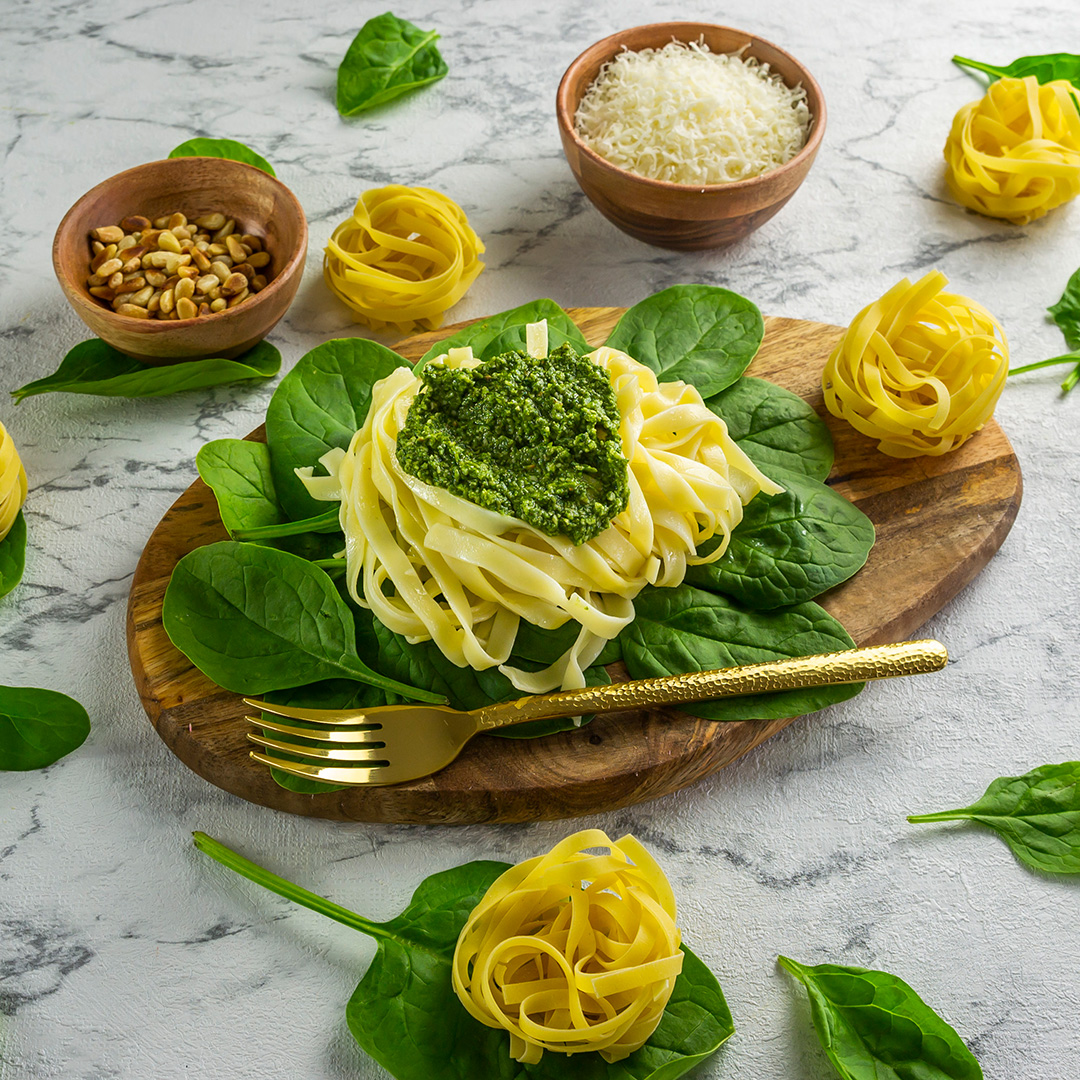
[[371, 753], [331, 735], [350, 775], [315, 716]]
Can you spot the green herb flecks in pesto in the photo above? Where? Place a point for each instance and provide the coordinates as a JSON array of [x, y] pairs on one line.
[[535, 439]]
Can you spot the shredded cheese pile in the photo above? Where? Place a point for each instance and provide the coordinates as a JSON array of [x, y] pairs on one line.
[[690, 116], [403, 259], [1015, 154], [12, 483], [433, 566], [572, 951], [920, 369]]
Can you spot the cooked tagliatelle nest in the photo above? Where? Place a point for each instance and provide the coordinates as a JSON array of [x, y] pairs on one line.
[[920, 369], [403, 259], [435, 567], [12, 483], [1015, 154], [573, 951]]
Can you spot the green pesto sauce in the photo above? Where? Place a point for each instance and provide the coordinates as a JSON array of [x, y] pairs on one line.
[[535, 439]]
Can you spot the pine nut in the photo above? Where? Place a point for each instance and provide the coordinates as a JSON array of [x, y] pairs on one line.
[[173, 268]]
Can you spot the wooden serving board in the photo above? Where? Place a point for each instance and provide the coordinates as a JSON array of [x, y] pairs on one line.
[[938, 520]]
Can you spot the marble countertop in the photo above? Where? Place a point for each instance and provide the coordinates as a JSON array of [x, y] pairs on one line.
[[126, 954]]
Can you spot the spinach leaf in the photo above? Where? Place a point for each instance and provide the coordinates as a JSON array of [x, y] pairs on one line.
[[1045, 68], [331, 694], [223, 148], [686, 629], [253, 619], [1066, 313], [405, 1014], [506, 332], [423, 664], [697, 333], [238, 473], [1037, 815], [13, 555], [318, 405], [776, 428], [38, 727], [873, 1026], [329, 521], [92, 367], [788, 548], [388, 57]]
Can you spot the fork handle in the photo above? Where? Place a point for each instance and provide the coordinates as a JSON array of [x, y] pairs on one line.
[[825, 669]]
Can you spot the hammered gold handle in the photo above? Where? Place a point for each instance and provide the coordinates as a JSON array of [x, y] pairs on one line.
[[825, 669]]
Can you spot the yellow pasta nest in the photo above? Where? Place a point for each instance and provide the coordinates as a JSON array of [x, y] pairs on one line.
[[920, 369], [404, 257], [1015, 154], [572, 951], [12, 483]]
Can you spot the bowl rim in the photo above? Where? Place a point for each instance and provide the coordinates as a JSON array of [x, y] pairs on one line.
[[76, 291], [565, 115]]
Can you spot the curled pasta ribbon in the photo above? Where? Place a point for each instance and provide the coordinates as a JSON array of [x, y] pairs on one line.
[[1015, 154], [404, 257], [572, 951], [920, 370], [435, 567], [12, 483]]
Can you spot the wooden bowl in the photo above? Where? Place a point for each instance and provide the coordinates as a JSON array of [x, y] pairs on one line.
[[685, 217], [261, 205]]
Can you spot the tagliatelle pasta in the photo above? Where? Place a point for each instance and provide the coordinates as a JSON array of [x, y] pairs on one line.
[[403, 259], [434, 566], [1015, 153], [919, 369], [572, 951], [12, 483]]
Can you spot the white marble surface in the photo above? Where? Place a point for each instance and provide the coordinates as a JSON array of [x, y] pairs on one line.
[[126, 954]]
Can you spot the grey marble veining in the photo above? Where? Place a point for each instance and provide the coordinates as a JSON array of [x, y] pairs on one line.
[[126, 954]]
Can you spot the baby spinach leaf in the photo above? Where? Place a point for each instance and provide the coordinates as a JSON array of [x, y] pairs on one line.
[[687, 629], [1046, 68], [238, 473], [776, 428], [13, 555], [92, 367], [388, 57], [1066, 313], [873, 1026], [318, 405], [223, 148], [405, 1014], [697, 333], [506, 332], [38, 727], [1037, 815], [329, 521], [788, 548], [253, 619]]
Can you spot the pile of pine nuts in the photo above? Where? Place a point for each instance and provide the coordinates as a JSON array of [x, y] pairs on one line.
[[175, 269]]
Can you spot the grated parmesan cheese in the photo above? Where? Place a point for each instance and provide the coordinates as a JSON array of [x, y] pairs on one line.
[[690, 116]]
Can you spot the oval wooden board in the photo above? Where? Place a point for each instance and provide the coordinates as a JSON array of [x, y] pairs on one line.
[[938, 520]]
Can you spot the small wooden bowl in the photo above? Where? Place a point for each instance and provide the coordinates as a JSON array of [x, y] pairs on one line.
[[685, 217], [261, 205]]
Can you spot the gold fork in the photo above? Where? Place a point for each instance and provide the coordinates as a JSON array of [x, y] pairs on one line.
[[390, 744]]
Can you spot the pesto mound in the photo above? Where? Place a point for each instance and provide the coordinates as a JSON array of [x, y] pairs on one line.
[[534, 439]]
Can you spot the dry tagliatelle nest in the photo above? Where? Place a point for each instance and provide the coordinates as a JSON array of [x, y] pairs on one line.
[[920, 370]]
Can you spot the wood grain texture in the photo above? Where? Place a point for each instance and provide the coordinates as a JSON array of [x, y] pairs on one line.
[[938, 520], [684, 217]]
